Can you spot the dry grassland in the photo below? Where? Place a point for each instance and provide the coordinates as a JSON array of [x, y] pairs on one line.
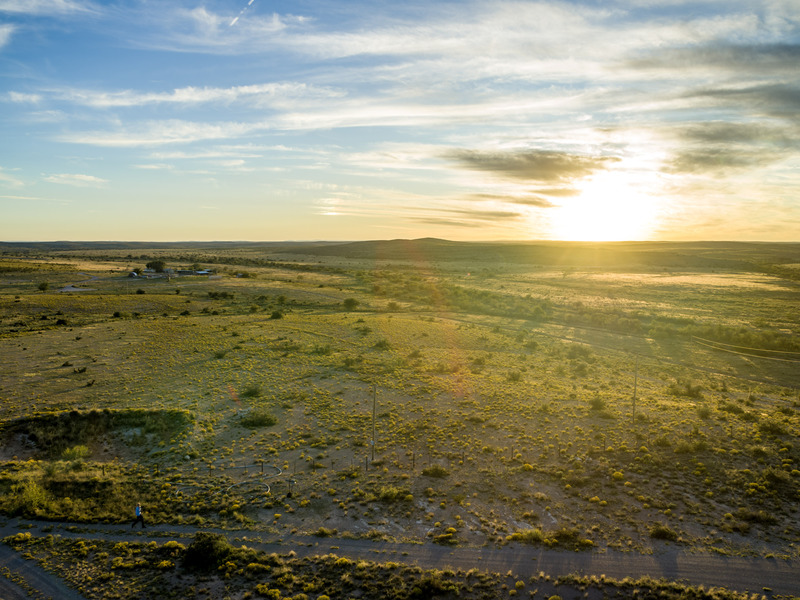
[[490, 426]]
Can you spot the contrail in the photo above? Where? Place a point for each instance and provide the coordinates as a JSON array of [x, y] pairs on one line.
[[244, 10]]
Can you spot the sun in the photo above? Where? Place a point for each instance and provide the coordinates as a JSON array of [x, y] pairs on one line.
[[608, 208]]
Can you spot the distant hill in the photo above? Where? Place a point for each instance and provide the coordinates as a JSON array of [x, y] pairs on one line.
[[761, 256], [722, 255]]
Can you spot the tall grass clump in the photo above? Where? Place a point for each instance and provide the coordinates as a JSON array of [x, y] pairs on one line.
[[258, 417]]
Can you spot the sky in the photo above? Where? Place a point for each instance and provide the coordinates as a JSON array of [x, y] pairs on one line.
[[177, 120]]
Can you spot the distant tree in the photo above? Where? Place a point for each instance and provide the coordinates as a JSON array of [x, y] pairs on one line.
[[350, 303], [156, 265], [43, 287]]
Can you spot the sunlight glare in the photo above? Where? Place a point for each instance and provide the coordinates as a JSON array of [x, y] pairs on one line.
[[607, 209]]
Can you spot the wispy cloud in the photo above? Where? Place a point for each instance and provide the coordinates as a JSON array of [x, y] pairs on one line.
[[23, 98], [448, 222], [46, 7], [6, 31], [260, 94], [155, 167], [200, 29], [157, 133], [224, 151], [485, 215], [75, 179], [526, 200], [7, 179]]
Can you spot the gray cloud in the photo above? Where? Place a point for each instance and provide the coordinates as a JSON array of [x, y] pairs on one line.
[[740, 57], [720, 160], [533, 165], [467, 217], [777, 100], [485, 215], [531, 200], [565, 192], [448, 222], [721, 147], [721, 132]]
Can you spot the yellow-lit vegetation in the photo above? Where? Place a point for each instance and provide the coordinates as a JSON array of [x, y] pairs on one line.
[[503, 398]]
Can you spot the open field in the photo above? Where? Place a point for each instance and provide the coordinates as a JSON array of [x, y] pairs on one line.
[[585, 397]]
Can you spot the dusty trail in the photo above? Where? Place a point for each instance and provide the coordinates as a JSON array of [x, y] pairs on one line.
[[38, 582], [73, 287], [753, 575]]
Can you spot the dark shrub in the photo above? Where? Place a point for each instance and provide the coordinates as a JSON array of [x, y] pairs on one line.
[[258, 417], [252, 391], [206, 551], [435, 471], [662, 532]]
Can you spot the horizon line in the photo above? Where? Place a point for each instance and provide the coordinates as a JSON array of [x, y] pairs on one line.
[[353, 241]]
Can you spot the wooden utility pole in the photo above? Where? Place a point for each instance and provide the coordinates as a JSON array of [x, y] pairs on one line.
[[635, 382], [374, 394]]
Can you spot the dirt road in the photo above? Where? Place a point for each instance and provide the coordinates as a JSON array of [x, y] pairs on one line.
[[755, 575]]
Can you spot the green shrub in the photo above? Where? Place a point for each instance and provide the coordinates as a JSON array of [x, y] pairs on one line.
[[567, 537], [433, 584], [527, 536], [206, 551], [29, 499], [325, 532], [659, 531], [597, 403], [772, 428], [75, 453], [435, 471], [259, 417], [252, 391], [390, 493], [686, 389]]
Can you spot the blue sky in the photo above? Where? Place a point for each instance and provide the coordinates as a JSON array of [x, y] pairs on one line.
[[254, 120]]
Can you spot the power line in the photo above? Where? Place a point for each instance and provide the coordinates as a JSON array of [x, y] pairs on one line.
[[745, 347], [721, 349]]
